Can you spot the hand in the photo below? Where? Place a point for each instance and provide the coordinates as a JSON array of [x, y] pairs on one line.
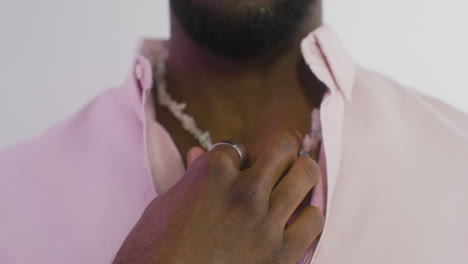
[[220, 214]]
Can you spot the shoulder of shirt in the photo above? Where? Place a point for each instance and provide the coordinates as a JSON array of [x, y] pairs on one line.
[[74, 135], [440, 109], [76, 168]]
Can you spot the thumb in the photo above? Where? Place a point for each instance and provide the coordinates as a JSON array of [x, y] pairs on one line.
[[193, 154]]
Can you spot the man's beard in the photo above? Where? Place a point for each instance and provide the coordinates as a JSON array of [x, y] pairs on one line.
[[241, 28]]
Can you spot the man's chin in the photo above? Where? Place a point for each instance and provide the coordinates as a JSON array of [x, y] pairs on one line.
[[235, 4], [240, 29]]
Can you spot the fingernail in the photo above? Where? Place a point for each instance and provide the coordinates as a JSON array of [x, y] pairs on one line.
[[192, 155]]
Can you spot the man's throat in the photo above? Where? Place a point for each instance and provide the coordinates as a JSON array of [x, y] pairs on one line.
[[249, 123]]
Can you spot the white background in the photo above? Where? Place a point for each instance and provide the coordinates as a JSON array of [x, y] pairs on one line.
[[55, 55]]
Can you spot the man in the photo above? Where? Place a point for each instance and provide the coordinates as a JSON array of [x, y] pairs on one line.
[[390, 174]]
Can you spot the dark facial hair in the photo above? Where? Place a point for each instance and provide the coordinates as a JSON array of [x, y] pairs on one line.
[[239, 30]]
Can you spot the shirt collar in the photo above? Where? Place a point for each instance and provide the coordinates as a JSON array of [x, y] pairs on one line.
[[321, 49], [323, 43]]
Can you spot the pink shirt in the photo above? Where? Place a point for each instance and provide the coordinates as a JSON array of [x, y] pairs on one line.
[[394, 160]]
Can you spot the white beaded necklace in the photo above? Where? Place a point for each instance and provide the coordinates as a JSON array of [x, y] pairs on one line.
[[310, 140]]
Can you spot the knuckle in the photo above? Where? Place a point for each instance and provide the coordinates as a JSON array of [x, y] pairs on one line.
[[288, 195], [215, 168], [287, 143], [249, 198], [220, 156], [249, 195], [218, 160]]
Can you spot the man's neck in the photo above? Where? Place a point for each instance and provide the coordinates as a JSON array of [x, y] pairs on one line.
[[203, 73], [273, 92]]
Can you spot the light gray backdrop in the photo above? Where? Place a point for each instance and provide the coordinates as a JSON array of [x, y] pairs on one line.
[[55, 55]]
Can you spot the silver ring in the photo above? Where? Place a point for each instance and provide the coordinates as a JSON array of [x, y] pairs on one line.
[[228, 143]]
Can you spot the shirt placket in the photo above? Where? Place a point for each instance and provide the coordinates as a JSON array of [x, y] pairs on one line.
[[331, 115]]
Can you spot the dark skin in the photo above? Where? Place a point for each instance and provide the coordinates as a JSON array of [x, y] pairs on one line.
[[250, 100], [219, 213]]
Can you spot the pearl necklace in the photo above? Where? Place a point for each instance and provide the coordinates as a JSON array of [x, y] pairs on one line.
[[309, 142]]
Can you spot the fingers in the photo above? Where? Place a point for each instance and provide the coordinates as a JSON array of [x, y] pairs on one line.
[[276, 158], [302, 232], [291, 190], [193, 154], [315, 152]]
